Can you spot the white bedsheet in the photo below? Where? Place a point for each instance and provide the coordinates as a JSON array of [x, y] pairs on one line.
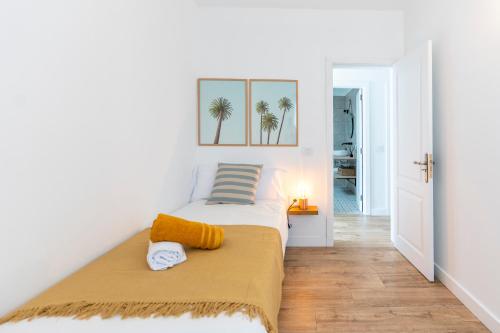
[[265, 212], [269, 213]]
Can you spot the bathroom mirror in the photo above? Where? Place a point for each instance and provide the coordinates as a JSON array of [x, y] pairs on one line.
[[350, 118]]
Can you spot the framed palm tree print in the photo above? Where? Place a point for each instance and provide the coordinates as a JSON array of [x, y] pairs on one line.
[[273, 112], [222, 112]]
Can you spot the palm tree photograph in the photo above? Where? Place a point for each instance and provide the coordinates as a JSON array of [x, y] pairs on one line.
[[222, 112], [273, 112]]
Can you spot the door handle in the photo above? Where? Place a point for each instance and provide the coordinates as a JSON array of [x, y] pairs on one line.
[[427, 166]]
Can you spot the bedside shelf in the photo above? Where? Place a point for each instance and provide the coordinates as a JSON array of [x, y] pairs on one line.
[[311, 210]]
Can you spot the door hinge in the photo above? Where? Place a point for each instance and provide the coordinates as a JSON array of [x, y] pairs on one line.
[[361, 197], [361, 97]]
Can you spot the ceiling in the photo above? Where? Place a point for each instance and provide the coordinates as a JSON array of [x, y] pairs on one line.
[[310, 4], [341, 91]]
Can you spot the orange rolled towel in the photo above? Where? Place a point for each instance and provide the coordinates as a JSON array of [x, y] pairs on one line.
[[167, 228]]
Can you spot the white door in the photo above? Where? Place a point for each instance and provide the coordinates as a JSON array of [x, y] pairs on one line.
[[412, 208], [358, 124]]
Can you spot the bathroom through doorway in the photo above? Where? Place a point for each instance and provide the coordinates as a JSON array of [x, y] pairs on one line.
[[348, 150]]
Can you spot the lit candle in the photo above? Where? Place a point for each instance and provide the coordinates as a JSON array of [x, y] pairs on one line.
[[302, 195]]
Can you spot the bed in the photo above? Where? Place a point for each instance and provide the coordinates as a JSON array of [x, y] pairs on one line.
[[270, 213]]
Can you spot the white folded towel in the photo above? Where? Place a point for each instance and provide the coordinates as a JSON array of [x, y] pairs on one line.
[[162, 255]]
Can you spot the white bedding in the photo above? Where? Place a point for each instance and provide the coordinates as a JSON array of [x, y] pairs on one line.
[[270, 213]]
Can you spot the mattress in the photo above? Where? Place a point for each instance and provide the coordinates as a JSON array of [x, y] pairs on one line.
[[264, 212]]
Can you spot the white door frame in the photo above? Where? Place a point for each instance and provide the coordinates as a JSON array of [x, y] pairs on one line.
[[366, 170], [330, 64]]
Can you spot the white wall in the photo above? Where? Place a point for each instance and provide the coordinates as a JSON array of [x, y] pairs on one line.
[[291, 44], [96, 131], [377, 79], [466, 137]]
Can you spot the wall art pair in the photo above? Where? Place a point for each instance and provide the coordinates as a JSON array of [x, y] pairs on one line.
[[236, 112]]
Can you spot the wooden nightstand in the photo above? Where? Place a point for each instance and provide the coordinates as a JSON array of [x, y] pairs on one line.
[[311, 210]]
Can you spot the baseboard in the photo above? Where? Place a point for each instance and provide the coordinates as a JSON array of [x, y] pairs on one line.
[[488, 318], [379, 212]]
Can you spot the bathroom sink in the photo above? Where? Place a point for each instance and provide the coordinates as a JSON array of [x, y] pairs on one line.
[[340, 153]]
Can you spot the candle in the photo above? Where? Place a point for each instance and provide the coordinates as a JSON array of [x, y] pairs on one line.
[[303, 192]]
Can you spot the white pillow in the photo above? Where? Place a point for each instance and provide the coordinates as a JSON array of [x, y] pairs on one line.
[[204, 177], [270, 185]]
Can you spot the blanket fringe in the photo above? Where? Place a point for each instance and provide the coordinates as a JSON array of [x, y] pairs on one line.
[[84, 310]]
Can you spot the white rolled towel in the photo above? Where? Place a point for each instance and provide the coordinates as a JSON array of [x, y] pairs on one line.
[[162, 255]]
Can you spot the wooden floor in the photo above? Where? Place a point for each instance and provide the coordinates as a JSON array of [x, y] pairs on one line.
[[362, 231], [364, 285]]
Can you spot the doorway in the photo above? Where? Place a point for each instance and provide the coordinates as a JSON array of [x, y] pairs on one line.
[[361, 161], [406, 145]]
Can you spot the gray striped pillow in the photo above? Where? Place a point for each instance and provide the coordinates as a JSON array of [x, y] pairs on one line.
[[235, 184]]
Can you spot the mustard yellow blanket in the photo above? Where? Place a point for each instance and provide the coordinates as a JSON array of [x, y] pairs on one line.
[[244, 275]]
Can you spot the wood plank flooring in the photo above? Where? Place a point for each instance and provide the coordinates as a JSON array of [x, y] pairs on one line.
[[364, 285], [362, 231]]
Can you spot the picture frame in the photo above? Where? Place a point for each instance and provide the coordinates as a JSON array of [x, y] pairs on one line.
[[273, 113], [222, 112]]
